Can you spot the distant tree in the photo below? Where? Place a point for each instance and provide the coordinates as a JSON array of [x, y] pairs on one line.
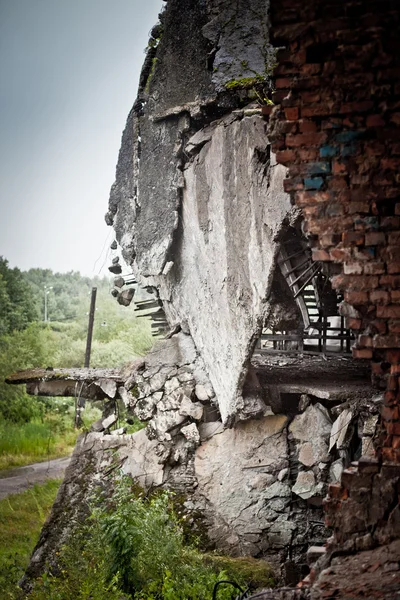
[[17, 302]]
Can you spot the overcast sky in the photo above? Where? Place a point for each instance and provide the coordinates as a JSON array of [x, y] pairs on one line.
[[69, 72]]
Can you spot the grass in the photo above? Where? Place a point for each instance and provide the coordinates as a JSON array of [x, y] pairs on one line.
[[53, 436], [21, 519], [33, 442]]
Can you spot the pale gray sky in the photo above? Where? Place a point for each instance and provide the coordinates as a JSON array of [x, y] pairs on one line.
[[69, 71]]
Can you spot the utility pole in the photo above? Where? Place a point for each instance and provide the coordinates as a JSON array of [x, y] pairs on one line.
[[90, 328], [47, 289], [79, 401]]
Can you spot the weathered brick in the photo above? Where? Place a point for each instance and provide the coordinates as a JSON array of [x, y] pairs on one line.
[[394, 237], [283, 82], [386, 341], [355, 268], [390, 413], [353, 237], [320, 255], [375, 121], [368, 465], [354, 107], [337, 183], [337, 491], [375, 238], [356, 298], [340, 254], [393, 428], [394, 326], [392, 384], [395, 370], [310, 97], [292, 113], [390, 223], [391, 454], [338, 167], [378, 326], [393, 267], [285, 156], [374, 268], [364, 353], [392, 311], [329, 239], [364, 341], [358, 207], [377, 369], [305, 139], [306, 126], [379, 297], [308, 153], [352, 323], [393, 356]]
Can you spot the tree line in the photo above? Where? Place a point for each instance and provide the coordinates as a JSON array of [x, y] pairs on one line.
[[43, 322]]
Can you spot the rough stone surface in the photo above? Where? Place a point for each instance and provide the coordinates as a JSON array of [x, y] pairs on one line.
[[312, 428], [186, 188], [305, 486], [238, 270], [237, 473], [229, 26]]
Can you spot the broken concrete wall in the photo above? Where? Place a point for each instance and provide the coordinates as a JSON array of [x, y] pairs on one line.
[[198, 202], [233, 209]]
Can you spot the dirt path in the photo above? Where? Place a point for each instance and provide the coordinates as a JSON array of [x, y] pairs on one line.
[[19, 479]]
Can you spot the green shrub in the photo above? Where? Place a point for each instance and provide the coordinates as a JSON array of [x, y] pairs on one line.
[[133, 547]]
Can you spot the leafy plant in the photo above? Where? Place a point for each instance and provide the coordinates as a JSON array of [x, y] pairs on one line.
[[133, 547]]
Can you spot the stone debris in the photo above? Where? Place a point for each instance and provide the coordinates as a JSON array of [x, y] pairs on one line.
[[108, 386], [305, 485], [125, 298], [191, 433], [191, 409], [109, 421], [339, 429]]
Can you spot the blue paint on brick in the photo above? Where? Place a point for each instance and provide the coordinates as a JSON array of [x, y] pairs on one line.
[[346, 137], [318, 168], [370, 223], [349, 150], [313, 183], [328, 151]]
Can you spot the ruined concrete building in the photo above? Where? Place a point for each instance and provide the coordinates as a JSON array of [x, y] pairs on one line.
[[257, 197]]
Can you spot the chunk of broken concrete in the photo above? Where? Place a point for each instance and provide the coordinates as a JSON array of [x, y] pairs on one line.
[[336, 470], [305, 485], [109, 421], [339, 429], [191, 409], [191, 433], [119, 282], [201, 392], [109, 386], [312, 429], [115, 269], [125, 297]]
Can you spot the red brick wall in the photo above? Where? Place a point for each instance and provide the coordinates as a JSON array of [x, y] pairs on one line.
[[337, 128]]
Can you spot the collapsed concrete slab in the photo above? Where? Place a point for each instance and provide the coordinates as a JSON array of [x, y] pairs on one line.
[[198, 202]]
